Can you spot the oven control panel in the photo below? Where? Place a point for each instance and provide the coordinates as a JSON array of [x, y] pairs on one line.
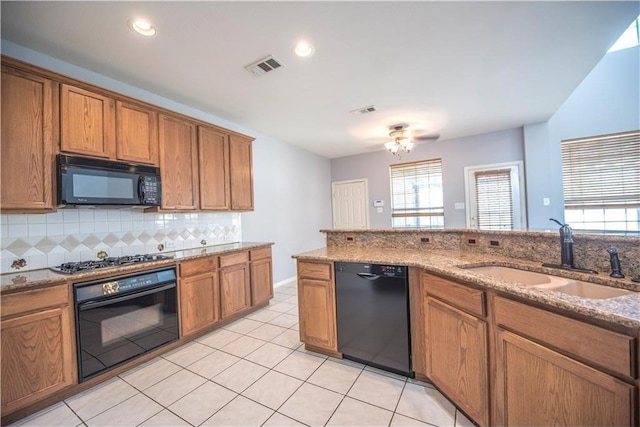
[[122, 285]]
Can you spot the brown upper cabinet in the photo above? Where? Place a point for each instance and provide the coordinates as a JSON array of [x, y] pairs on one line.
[[203, 167], [213, 155], [136, 133], [87, 121], [29, 137], [241, 173], [178, 163]]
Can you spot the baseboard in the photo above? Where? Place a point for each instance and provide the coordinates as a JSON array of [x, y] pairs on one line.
[[285, 281]]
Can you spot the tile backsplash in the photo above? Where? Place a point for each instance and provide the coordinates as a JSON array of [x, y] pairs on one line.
[[45, 240]]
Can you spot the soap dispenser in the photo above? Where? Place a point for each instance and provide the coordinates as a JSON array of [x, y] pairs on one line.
[[616, 270]]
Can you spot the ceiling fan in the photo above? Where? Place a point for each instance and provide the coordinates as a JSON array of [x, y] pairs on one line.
[[404, 140]]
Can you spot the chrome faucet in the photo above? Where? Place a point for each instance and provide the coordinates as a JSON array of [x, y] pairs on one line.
[[566, 250]]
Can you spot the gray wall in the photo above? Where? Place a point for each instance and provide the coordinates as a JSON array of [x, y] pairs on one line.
[[607, 101], [292, 186], [495, 147]]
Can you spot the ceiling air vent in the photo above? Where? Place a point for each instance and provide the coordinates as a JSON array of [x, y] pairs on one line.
[[263, 66], [364, 110]]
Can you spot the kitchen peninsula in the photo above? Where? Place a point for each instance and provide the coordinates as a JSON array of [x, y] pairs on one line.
[[504, 352]]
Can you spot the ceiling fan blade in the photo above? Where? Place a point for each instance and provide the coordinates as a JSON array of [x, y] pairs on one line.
[[430, 137]]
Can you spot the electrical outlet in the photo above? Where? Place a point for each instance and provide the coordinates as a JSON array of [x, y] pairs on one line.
[[227, 238], [424, 240], [169, 244]]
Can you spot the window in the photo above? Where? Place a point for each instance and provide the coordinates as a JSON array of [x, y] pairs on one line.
[[417, 200], [492, 194], [493, 200], [628, 39], [601, 181]]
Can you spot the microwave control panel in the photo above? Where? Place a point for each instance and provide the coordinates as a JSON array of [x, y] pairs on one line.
[[151, 190]]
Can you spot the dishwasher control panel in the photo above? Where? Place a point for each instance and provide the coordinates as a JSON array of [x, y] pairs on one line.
[[377, 269]]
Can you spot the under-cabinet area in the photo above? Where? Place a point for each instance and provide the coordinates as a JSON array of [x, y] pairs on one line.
[[501, 358], [64, 334]]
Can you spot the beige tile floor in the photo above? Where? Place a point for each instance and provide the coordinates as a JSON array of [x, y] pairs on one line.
[[254, 372]]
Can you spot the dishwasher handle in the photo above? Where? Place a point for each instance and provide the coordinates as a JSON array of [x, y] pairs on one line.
[[368, 276]]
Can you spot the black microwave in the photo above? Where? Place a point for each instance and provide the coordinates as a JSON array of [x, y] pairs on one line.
[[98, 182]]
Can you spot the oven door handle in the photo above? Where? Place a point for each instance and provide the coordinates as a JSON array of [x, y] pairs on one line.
[[95, 304]]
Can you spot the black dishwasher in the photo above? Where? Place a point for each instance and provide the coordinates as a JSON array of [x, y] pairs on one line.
[[373, 315]]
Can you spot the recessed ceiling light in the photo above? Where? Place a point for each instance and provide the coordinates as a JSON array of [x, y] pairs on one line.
[[303, 49], [143, 27]]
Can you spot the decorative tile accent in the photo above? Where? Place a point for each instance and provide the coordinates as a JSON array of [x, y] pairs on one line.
[[128, 238], [18, 247], [46, 245], [70, 243], [144, 237], [111, 239], [91, 241]]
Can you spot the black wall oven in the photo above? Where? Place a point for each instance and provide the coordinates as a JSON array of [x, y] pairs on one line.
[[121, 318]]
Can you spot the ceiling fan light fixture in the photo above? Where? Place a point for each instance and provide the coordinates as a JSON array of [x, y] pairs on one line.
[[142, 27], [401, 141]]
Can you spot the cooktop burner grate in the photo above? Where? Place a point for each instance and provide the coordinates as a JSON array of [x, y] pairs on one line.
[[76, 267]]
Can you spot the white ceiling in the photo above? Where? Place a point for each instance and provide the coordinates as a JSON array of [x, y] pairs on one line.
[[453, 68]]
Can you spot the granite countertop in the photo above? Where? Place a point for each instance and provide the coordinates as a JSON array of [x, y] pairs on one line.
[[11, 282], [623, 310]]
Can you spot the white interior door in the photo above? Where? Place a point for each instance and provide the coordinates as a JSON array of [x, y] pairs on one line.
[[350, 204]]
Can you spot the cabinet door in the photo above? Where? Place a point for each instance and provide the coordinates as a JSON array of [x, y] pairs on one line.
[[213, 152], [37, 357], [261, 281], [457, 352], [29, 132], [241, 173], [541, 387], [136, 133], [317, 308], [199, 302], [178, 163], [235, 292], [87, 122]]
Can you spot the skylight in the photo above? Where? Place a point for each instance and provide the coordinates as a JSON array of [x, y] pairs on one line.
[[628, 39]]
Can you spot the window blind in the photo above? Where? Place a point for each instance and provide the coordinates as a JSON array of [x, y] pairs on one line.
[[416, 192], [494, 200], [602, 171]]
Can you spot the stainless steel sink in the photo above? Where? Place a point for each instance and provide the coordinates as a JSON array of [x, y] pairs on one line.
[[550, 282]]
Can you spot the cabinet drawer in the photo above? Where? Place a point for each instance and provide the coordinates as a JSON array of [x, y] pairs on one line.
[[232, 259], [468, 299], [260, 253], [198, 266], [606, 349], [36, 299], [314, 270]]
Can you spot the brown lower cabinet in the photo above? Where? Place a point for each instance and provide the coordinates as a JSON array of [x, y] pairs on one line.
[[38, 346], [317, 306], [199, 294], [502, 362], [555, 370], [261, 275], [235, 288]]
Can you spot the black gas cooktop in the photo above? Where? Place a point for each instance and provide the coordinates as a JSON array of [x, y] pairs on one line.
[[76, 267]]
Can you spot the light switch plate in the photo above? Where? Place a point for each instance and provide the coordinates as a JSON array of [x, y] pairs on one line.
[[459, 205]]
